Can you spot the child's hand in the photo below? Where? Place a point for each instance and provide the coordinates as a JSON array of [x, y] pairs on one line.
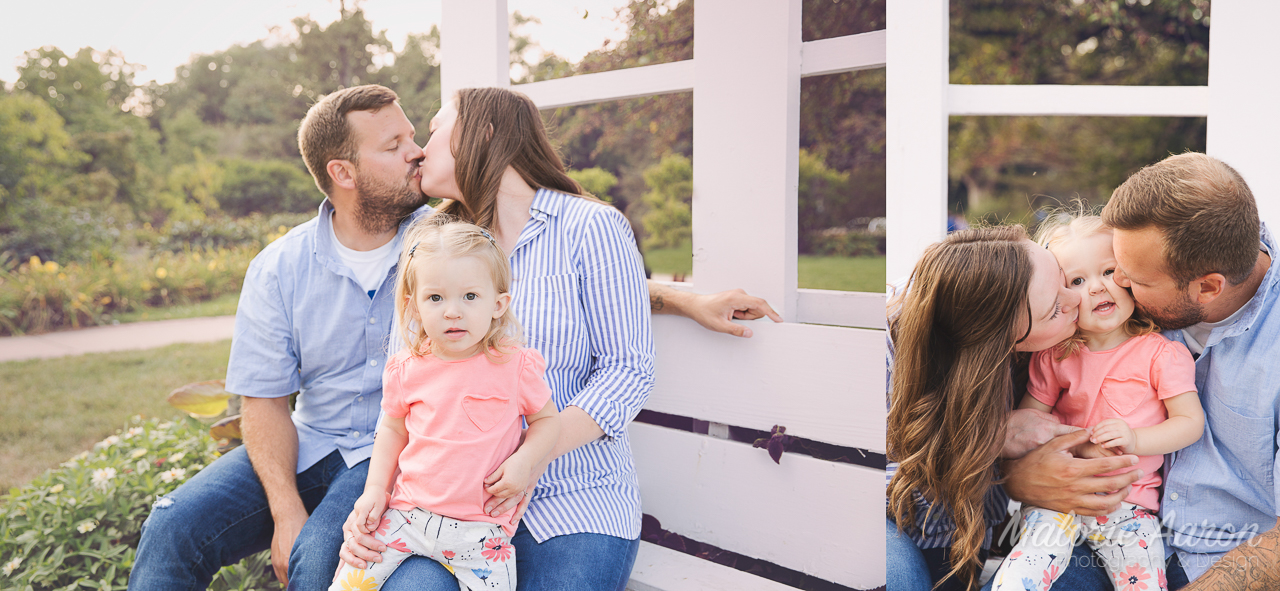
[[369, 509], [1092, 450], [1114, 434], [510, 479]]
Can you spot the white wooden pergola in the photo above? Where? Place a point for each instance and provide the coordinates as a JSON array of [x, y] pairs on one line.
[[1243, 120], [819, 374]]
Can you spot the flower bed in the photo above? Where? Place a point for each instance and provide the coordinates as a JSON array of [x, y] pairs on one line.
[[79, 525]]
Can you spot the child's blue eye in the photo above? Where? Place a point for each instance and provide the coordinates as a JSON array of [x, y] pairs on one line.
[[470, 296], [435, 298]]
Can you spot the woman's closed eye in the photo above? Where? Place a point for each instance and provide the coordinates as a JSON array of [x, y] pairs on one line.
[[1057, 308]]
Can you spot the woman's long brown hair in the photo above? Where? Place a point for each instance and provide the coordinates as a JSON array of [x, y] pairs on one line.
[[497, 128], [954, 336]]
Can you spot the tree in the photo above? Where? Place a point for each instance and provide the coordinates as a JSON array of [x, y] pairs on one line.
[[668, 221], [596, 181]]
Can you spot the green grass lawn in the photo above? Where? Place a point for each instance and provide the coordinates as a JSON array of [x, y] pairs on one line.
[[816, 272], [223, 305], [56, 408]]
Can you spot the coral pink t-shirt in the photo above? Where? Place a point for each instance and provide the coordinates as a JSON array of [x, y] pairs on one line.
[[1128, 382], [463, 421]]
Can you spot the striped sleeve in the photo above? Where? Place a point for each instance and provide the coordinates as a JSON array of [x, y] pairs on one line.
[[615, 302]]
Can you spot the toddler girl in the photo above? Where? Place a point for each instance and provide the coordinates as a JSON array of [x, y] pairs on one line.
[[1134, 390], [452, 401]]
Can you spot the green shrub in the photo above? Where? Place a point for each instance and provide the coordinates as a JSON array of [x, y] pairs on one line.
[[39, 296], [78, 526], [266, 186], [845, 242], [255, 230]]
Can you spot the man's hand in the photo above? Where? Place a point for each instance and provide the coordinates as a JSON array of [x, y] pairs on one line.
[[1050, 477], [1028, 429], [286, 533]]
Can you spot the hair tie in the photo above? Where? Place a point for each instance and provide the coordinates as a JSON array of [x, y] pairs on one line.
[[413, 248], [486, 234]]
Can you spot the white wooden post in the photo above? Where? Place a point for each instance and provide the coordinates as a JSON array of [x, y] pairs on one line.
[[1244, 121], [473, 45], [916, 129], [746, 125]]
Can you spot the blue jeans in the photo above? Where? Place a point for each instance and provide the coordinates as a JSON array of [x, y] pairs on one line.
[[1086, 573], [221, 515], [574, 562], [905, 569]]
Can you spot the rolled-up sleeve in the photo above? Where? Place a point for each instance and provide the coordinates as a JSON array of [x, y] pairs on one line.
[[615, 301], [264, 356]]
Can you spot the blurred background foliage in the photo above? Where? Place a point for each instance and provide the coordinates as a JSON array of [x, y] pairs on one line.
[[1010, 168], [97, 168]]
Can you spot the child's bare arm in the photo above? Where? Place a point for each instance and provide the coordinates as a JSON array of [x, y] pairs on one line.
[[512, 477], [1183, 427], [1029, 401]]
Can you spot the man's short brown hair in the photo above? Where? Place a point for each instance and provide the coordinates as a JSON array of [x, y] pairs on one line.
[[325, 133], [1203, 209]]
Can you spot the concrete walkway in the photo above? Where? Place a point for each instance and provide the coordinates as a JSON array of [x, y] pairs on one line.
[[121, 337]]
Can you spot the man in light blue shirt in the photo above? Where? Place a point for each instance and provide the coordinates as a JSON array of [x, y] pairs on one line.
[[314, 317], [1189, 244]]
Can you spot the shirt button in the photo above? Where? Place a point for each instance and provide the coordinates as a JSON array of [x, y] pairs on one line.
[[373, 321], [355, 433], [359, 398], [1173, 496], [373, 362]]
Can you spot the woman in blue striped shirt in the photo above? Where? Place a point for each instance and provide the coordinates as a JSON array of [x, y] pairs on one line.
[[579, 290]]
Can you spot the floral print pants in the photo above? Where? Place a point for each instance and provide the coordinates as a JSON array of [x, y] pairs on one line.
[[1127, 542], [479, 554]]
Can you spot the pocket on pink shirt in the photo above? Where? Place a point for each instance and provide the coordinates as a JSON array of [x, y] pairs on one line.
[[1125, 394], [485, 413]]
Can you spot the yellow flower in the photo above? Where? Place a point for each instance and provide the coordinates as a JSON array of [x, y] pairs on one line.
[[82, 297], [146, 286], [105, 300], [357, 581], [195, 256], [51, 266], [282, 230], [61, 276], [213, 265], [1067, 524], [161, 273], [34, 263]]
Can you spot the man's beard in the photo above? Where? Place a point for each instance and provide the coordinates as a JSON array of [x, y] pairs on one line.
[[1175, 316], [380, 207]]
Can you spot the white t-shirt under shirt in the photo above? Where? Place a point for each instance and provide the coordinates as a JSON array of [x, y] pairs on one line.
[[370, 266]]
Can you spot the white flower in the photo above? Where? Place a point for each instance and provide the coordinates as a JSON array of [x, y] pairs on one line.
[[165, 425], [71, 501], [86, 527], [174, 474], [71, 464], [12, 565], [137, 453], [197, 467], [80, 456], [108, 442], [102, 477], [57, 488], [142, 467], [177, 456], [134, 432]]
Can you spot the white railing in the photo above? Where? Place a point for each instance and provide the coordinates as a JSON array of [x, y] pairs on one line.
[[1243, 122], [824, 383]]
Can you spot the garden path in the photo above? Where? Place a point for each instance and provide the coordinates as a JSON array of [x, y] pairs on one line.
[[121, 337]]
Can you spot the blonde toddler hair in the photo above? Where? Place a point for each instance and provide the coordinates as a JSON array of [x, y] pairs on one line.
[[439, 236], [1063, 226]]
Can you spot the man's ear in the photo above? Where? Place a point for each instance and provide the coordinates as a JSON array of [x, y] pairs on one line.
[[342, 172], [504, 300], [1208, 288]]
